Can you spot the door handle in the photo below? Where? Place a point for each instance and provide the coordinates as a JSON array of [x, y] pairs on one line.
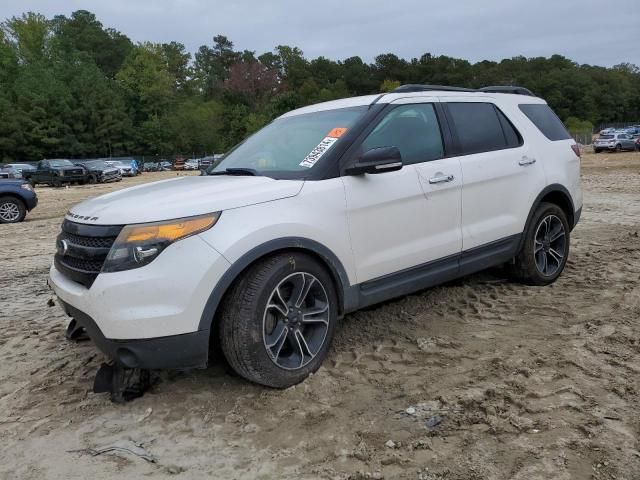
[[440, 178], [526, 161]]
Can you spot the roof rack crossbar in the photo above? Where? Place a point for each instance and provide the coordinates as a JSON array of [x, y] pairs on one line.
[[409, 88]]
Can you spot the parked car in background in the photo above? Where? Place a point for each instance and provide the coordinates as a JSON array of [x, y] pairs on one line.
[[99, 171], [150, 167], [22, 167], [192, 164], [614, 142], [638, 144], [127, 169], [17, 197], [164, 166], [206, 162], [607, 131], [7, 171], [56, 172]]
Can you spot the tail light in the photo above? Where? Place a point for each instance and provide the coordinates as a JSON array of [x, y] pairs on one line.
[[576, 149]]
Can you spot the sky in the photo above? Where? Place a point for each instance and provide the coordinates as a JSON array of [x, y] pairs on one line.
[[586, 31]]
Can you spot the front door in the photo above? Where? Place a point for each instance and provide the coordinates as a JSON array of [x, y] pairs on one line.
[[410, 217]]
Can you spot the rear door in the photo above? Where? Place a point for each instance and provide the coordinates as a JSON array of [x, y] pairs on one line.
[[501, 175]]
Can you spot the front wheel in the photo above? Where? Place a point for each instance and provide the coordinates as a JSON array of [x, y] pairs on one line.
[[618, 148], [12, 210], [545, 248], [278, 320]]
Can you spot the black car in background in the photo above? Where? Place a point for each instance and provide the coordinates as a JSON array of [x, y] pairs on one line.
[[17, 197], [99, 171], [55, 172]]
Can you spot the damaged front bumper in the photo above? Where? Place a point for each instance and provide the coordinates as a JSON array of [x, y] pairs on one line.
[[188, 350]]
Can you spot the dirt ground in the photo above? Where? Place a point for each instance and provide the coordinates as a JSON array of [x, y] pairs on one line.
[[477, 379]]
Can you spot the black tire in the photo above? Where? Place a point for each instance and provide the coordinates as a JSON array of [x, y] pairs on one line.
[[246, 319], [57, 183], [618, 148], [528, 265], [12, 210], [597, 150], [92, 179]]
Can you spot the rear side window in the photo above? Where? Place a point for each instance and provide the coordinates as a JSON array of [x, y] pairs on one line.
[[482, 128], [547, 122]]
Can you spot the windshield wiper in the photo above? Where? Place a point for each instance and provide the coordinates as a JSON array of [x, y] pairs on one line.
[[237, 171]]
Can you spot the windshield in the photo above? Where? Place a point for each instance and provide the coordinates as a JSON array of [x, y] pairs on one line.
[[291, 144], [61, 163]]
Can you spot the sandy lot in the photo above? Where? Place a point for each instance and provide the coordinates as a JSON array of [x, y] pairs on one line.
[[528, 383]]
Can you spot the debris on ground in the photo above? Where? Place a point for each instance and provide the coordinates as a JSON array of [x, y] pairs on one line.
[[146, 415], [434, 421], [119, 448]]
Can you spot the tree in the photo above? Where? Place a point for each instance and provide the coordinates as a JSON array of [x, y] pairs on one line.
[[29, 34]]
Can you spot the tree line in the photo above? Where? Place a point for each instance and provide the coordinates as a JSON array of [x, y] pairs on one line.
[[70, 87]]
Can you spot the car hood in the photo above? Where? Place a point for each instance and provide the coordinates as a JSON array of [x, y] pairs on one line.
[[181, 197], [11, 181]]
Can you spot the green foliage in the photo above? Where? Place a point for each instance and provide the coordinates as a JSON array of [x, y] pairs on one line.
[[575, 125], [70, 87], [389, 85]]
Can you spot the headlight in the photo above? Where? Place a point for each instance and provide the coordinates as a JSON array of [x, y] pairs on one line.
[[139, 245], [26, 186]]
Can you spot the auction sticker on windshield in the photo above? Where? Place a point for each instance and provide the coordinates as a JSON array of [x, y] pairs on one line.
[[326, 143]]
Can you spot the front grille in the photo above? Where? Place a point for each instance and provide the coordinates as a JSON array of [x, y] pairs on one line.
[[82, 250]]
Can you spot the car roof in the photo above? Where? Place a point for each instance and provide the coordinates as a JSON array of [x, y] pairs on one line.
[[392, 97]]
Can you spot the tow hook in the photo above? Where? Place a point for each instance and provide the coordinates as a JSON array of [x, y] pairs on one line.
[[122, 383]]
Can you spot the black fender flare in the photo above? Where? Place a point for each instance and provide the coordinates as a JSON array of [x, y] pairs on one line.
[[347, 298], [553, 188]]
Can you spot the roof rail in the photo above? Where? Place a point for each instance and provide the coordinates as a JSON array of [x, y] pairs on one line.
[[495, 89], [424, 88], [508, 89]]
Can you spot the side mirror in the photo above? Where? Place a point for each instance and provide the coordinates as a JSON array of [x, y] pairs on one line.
[[376, 160]]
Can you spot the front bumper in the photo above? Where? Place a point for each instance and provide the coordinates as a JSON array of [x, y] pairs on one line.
[[156, 308], [31, 201], [604, 147], [189, 350]]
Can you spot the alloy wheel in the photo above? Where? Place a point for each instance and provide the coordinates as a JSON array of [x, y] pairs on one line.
[[296, 321], [550, 245], [9, 212]]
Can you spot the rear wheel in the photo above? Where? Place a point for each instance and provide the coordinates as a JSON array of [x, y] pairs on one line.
[[12, 210], [597, 150], [278, 320], [545, 248]]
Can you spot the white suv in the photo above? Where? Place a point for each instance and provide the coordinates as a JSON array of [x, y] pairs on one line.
[[326, 210]]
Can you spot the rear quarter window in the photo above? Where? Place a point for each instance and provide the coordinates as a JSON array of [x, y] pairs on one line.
[[547, 122]]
